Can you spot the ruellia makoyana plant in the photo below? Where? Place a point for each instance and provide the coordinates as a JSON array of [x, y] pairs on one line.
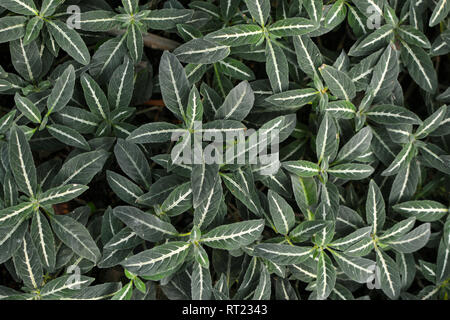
[[224, 149]]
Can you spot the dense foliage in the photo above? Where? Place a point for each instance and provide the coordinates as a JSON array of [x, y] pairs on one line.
[[95, 202]]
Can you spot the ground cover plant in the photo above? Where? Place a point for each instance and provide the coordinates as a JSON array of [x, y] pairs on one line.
[[232, 149]]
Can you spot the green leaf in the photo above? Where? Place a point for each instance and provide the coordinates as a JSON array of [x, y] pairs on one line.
[[25, 7], [326, 142], [76, 237], [167, 18], [238, 35], [145, 225], [97, 20], [12, 28], [62, 91], [354, 237], [277, 67], [389, 114], [281, 212], [338, 82], [132, 161], [11, 237], [81, 168], [282, 254], [422, 210], [398, 229], [63, 286], [162, 258], [326, 276], [342, 109], [28, 108], [61, 194], [431, 123], [405, 183], [440, 12], [135, 42], [402, 158], [125, 293], [412, 241], [174, 84], [108, 57], [201, 51], [314, 9], [21, 162], [32, 30], [305, 192], [207, 210], [95, 97], [259, 9], [442, 264], [233, 236], [236, 69], [123, 187], [130, 6], [27, 263], [7, 120], [69, 40], [413, 36], [124, 239], [374, 41], [336, 14], [242, 186], [292, 27], [43, 238], [305, 230], [375, 208], [306, 48], [178, 201], [420, 67], [201, 284], [389, 275], [155, 132], [351, 171], [68, 136], [27, 60], [194, 111], [203, 180], [263, 289], [12, 215], [297, 97], [356, 268], [302, 168], [356, 146], [121, 85], [237, 104]]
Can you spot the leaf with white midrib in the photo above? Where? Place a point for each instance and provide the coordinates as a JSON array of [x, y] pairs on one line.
[[75, 236], [146, 225], [326, 276], [70, 41], [233, 236], [390, 277], [375, 207], [27, 263], [21, 162], [158, 259], [356, 268], [413, 240], [61, 194], [44, 240], [282, 254]]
